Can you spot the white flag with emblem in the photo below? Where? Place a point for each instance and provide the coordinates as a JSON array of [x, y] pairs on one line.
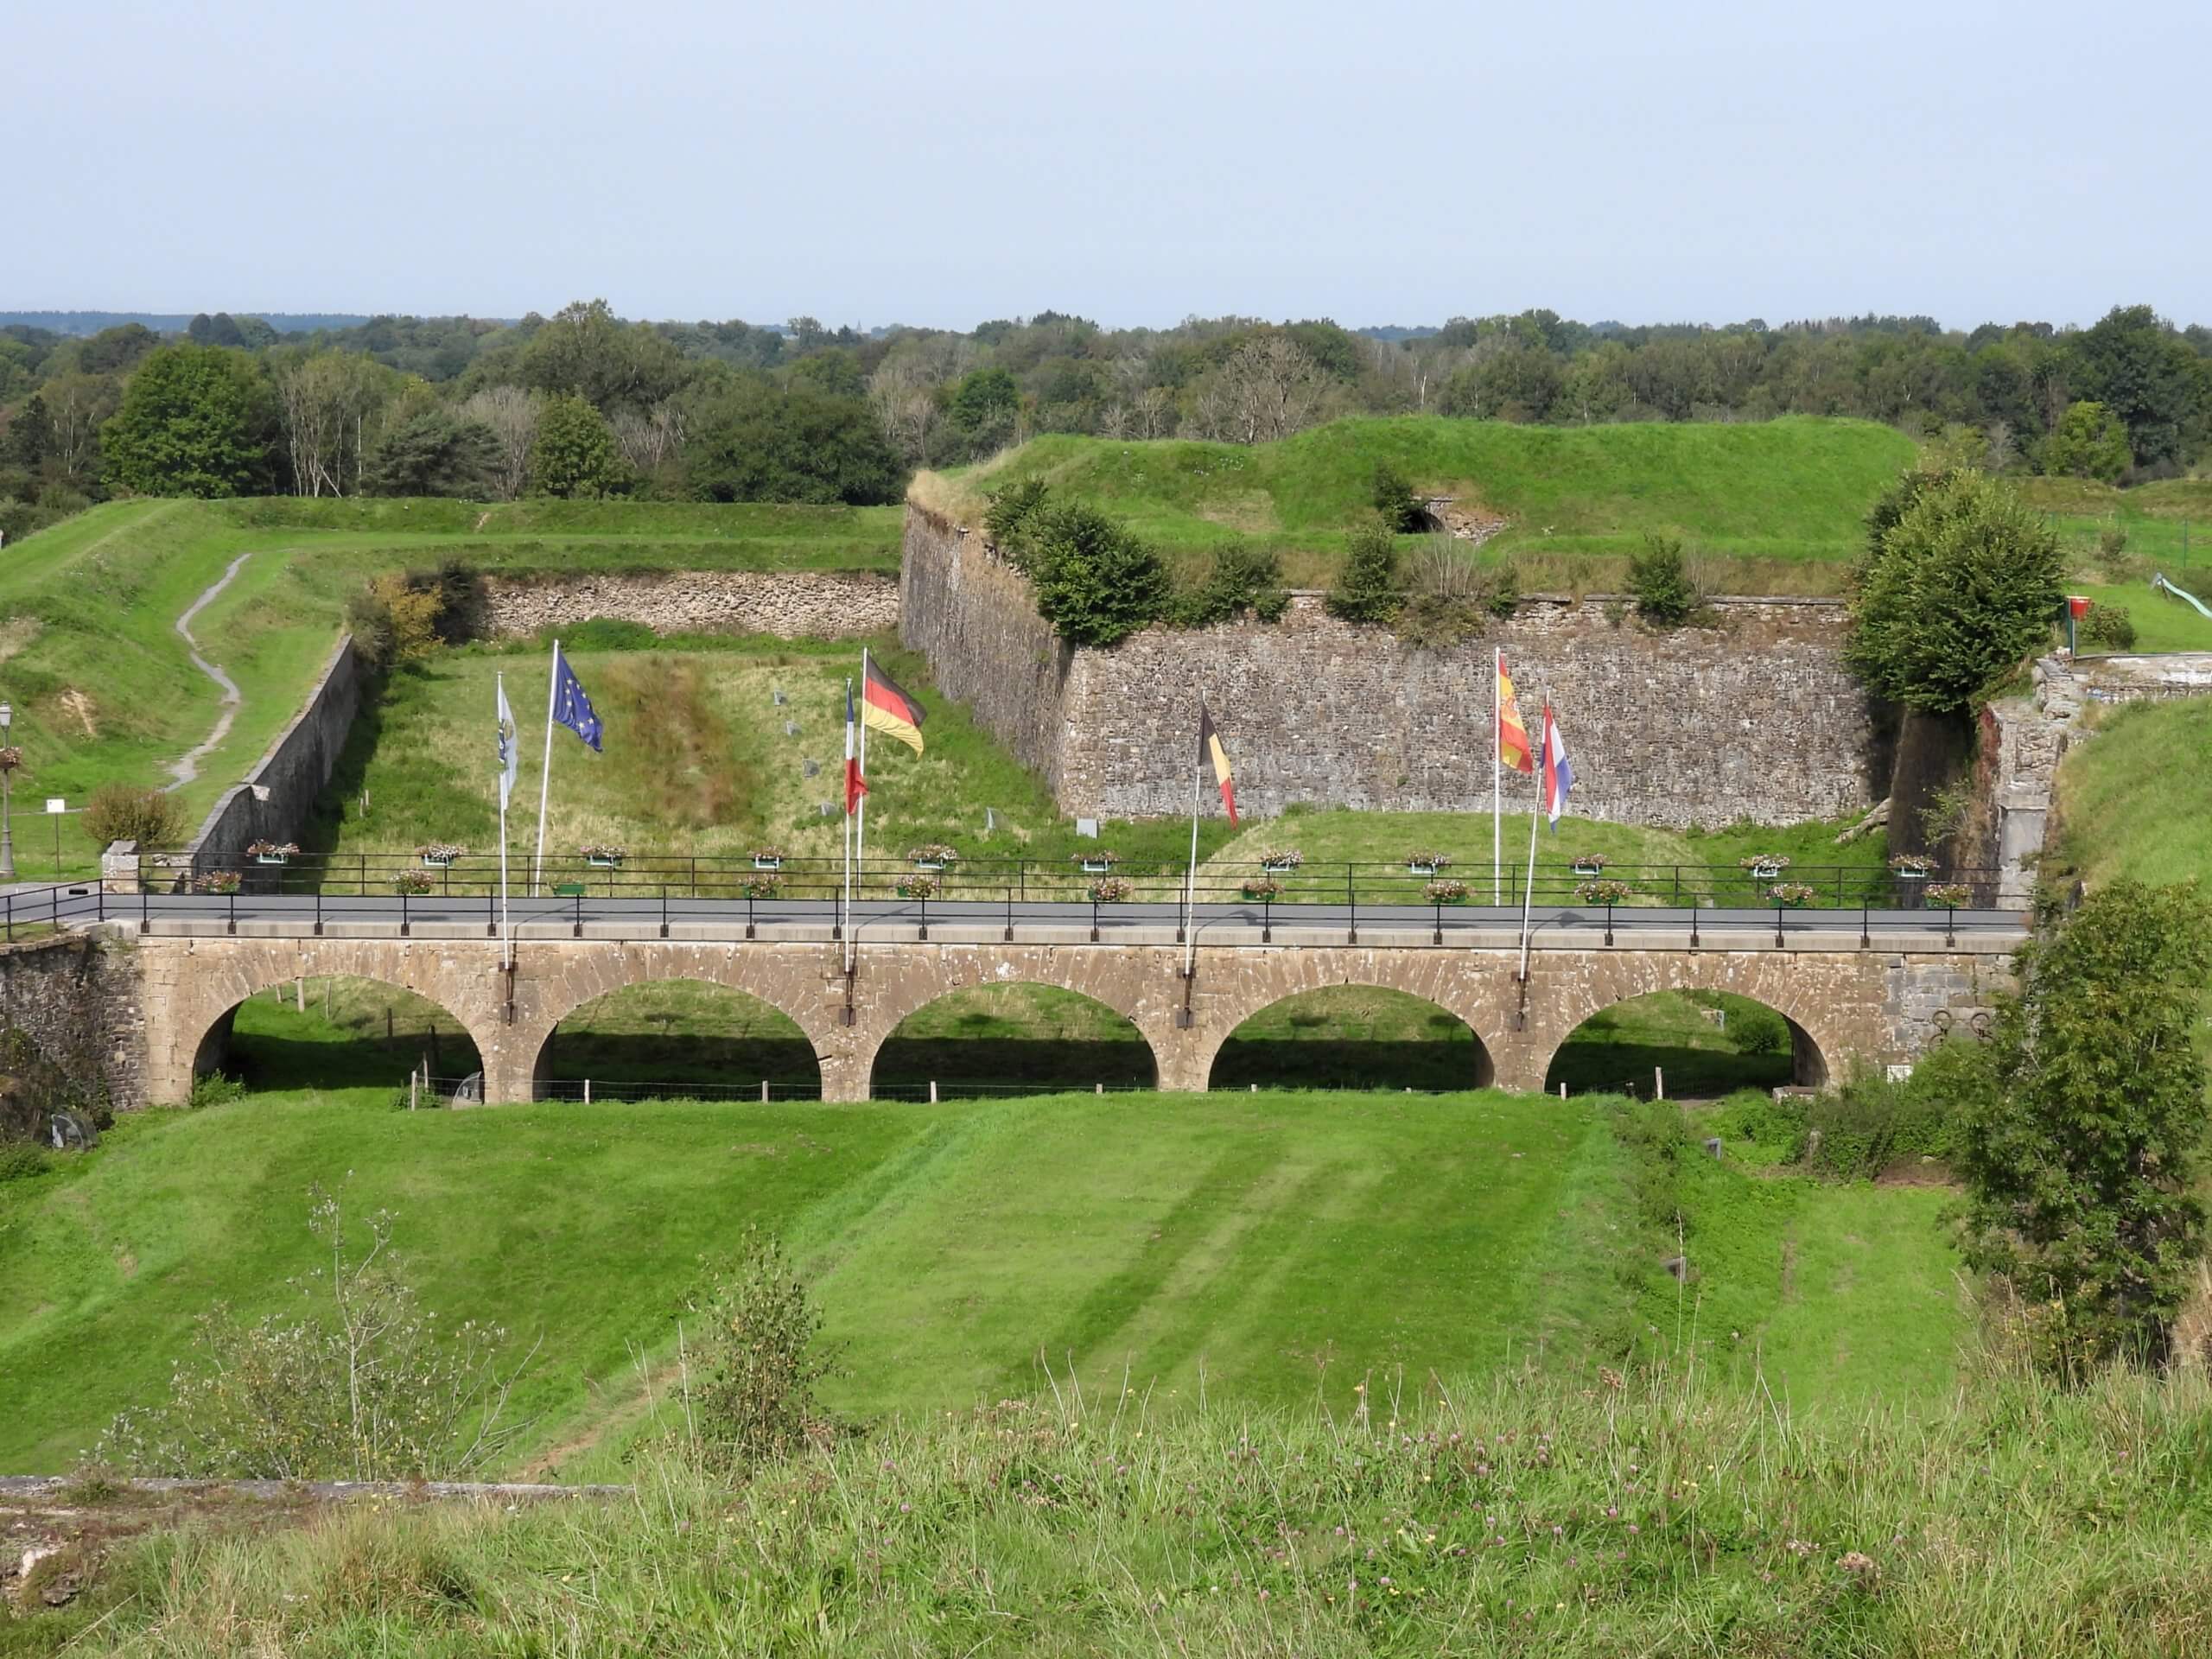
[[510, 751]]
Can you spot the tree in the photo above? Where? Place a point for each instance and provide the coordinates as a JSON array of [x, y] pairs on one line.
[[587, 350], [755, 1361], [2090, 442], [195, 420], [2131, 363], [30, 436], [433, 454], [1956, 592], [983, 410], [1660, 578], [1368, 589], [1097, 582], [2083, 1126], [324, 401], [576, 453], [763, 442], [1266, 389], [511, 415], [1393, 498]]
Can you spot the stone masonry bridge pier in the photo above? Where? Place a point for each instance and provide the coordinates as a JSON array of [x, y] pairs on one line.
[[1854, 989]]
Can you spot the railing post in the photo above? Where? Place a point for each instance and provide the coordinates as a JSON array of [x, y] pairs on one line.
[[1267, 919], [1950, 925], [1438, 937], [926, 916], [664, 910], [1678, 887], [1010, 916], [1352, 901], [1777, 924], [576, 931], [1094, 920], [361, 883], [1694, 942], [145, 906], [231, 909], [1609, 921], [753, 917], [405, 927], [695, 875], [1865, 938], [318, 910], [11, 918], [491, 914]]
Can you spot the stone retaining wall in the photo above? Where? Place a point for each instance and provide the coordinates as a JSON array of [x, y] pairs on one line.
[[1754, 718], [786, 603], [274, 801], [77, 998]]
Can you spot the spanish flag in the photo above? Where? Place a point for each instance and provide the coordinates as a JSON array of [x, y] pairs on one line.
[[1513, 749], [886, 709], [1210, 754]]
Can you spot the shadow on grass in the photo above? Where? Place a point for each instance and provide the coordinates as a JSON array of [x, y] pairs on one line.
[[1049, 1065], [1611, 1065], [675, 1058], [1330, 1063], [262, 1060]]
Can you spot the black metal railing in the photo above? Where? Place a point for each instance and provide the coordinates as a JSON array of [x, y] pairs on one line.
[[1014, 882]]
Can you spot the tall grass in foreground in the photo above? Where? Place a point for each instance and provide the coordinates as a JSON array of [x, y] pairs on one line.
[[1526, 1517]]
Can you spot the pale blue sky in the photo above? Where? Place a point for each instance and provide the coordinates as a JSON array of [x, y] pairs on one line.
[[1384, 163]]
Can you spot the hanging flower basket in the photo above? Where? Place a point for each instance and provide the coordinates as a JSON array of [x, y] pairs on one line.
[[438, 854], [763, 886], [1100, 862], [270, 852], [933, 856], [917, 887], [1591, 864], [1447, 892], [219, 881], [1280, 859], [1794, 894], [768, 858], [1912, 866], [1602, 892], [1426, 863], [1260, 888], [1112, 890], [603, 856], [412, 881], [1951, 895]]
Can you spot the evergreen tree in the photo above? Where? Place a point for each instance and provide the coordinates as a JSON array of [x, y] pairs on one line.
[[1097, 582], [1368, 589], [576, 453]]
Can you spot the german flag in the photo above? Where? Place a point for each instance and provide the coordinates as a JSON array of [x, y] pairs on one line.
[[886, 709], [1513, 749], [1210, 754]]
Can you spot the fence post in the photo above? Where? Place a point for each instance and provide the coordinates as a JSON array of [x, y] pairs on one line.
[[1658, 1083], [231, 909], [1009, 918], [1094, 920], [1438, 937], [932, 1091], [764, 1092], [145, 904], [403, 922], [1352, 899], [1865, 914], [576, 931], [490, 915], [587, 1091], [1609, 921], [1267, 919], [1950, 924], [1777, 924], [664, 910]]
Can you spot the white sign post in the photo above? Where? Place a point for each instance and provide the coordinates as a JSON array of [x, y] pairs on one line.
[[55, 806]]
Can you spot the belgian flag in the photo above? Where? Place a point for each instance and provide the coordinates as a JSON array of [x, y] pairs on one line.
[[1210, 754], [886, 709]]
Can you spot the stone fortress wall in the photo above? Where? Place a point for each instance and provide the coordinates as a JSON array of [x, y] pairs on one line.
[[1755, 718]]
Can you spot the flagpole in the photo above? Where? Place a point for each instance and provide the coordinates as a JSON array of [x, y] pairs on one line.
[[507, 938], [545, 770], [1529, 892], [1191, 870], [850, 804], [1497, 775], [859, 825]]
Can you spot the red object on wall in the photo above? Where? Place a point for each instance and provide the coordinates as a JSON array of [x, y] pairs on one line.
[[2076, 606]]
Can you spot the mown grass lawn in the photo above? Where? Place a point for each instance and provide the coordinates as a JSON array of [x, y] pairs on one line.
[[1283, 1246]]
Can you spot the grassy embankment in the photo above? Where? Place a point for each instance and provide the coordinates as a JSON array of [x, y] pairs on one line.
[[2169, 527], [1287, 1245], [1536, 1519], [1771, 507], [104, 687]]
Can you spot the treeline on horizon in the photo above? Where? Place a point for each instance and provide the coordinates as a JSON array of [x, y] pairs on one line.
[[587, 404]]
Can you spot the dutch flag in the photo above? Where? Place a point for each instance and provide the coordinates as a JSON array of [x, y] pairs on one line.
[[1558, 774]]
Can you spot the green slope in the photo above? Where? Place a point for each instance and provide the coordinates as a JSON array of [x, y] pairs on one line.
[[1278, 1243], [1773, 493], [104, 687]]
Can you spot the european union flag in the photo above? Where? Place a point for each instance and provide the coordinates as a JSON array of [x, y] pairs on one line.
[[571, 708]]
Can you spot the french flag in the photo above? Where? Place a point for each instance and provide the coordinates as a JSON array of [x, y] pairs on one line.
[[1559, 772]]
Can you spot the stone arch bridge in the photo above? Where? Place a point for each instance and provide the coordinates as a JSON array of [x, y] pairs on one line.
[[1849, 993]]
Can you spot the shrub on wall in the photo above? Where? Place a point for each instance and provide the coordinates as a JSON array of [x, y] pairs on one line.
[[1368, 589], [1660, 578], [1097, 582]]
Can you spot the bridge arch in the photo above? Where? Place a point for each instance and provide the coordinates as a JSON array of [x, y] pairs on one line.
[[1046, 1037], [1390, 1038], [1812, 1011], [1438, 978], [189, 1029], [676, 1029]]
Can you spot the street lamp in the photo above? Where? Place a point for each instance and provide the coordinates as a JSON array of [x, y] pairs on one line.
[[10, 758]]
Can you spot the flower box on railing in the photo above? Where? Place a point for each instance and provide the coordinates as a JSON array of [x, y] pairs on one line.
[[1591, 864], [438, 855], [931, 856], [768, 858], [1794, 895], [1112, 890], [270, 852], [917, 887], [409, 882], [1602, 892], [602, 857], [1764, 867], [1447, 892], [763, 886], [1426, 863], [1101, 862], [1951, 895], [1264, 890], [218, 881], [1912, 866], [1282, 861]]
